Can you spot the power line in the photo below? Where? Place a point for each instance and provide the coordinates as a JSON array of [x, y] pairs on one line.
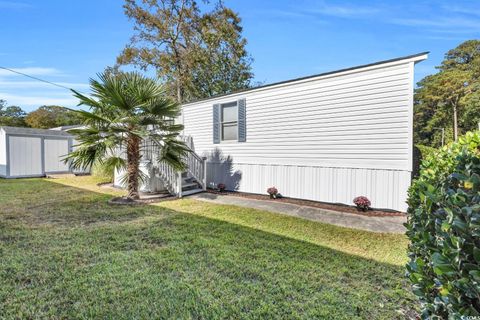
[[38, 79]]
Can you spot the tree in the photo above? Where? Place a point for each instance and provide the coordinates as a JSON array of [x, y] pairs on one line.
[[450, 98], [197, 55], [223, 64], [126, 110], [52, 116], [12, 116], [446, 91]]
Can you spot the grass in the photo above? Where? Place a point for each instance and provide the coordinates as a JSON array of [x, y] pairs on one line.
[[66, 253]]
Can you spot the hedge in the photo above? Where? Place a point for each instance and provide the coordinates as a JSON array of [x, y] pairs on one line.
[[421, 152], [444, 229]]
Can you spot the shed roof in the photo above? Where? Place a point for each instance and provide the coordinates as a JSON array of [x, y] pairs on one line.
[[35, 132], [65, 128]]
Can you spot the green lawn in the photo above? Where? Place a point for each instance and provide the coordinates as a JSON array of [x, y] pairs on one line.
[[66, 253]]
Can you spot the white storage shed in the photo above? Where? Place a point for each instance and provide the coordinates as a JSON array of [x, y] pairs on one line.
[[26, 152]]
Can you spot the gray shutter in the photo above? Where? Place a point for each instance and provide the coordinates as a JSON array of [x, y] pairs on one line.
[[216, 123], [242, 120]]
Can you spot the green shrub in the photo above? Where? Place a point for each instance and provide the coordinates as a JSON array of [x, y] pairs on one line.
[[444, 229], [421, 152], [426, 151]]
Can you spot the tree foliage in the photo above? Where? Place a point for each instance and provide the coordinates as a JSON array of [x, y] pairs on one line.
[[444, 228], [449, 99], [12, 116], [127, 110], [52, 116], [197, 54]]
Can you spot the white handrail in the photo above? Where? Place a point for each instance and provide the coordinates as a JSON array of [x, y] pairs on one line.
[[196, 167], [196, 164], [172, 179], [169, 177]]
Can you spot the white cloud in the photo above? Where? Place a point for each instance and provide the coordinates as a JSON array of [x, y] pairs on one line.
[[34, 101], [427, 17], [41, 85], [441, 22], [345, 10], [29, 93], [468, 10], [314, 9], [32, 71]]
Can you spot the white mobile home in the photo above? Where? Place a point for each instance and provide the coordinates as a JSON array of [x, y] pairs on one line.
[[328, 137], [26, 152]]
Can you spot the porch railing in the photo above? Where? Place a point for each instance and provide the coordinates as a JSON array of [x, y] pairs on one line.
[[171, 178], [196, 166]]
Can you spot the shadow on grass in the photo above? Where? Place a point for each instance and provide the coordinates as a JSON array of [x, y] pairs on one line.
[[79, 256]]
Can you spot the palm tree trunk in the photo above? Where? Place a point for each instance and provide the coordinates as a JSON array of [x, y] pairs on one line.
[[133, 161]]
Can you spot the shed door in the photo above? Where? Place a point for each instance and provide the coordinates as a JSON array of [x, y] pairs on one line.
[[25, 156], [55, 150]]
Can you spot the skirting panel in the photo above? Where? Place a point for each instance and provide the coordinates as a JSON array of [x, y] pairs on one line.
[[385, 188], [151, 183]]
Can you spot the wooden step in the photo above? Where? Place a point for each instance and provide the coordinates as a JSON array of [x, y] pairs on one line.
[[189, 185], [191, 191], [190, 179]]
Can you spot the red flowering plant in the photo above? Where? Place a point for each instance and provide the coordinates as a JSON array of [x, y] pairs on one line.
[[362, 203], [221, 187], [272, 191]]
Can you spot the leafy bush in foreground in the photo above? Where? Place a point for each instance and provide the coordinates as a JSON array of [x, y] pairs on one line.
[[444, 229], [421, 152]]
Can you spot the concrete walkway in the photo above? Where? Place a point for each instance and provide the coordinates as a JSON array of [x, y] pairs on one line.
[[343, 219]]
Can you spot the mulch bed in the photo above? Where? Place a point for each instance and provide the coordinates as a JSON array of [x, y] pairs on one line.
[[315, 204]]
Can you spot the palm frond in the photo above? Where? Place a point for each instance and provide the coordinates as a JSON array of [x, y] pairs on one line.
[[84, 100], [84, 157], [123, 177], [126, 106], [173, 152], [162, 107], [90, 118], [113, 163]]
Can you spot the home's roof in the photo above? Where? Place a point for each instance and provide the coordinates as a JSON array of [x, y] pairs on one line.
[[35, 132], [413, 56]]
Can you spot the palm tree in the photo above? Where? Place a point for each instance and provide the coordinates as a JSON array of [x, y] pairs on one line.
[[128, 112]]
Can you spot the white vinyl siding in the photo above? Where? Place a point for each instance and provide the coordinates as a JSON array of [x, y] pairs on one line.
[[27, 152], [3, 154], [25, 155], [55, 150], [329, 138], [363, 125]]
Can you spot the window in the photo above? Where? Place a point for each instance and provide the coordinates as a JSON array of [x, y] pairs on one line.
[[229, 121]]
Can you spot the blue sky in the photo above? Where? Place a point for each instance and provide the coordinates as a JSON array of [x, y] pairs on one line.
[[70, 41]]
